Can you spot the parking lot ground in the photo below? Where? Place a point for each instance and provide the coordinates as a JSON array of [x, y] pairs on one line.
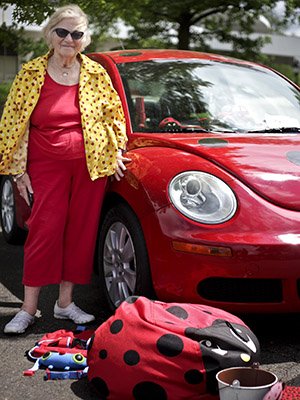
[[278, 335]]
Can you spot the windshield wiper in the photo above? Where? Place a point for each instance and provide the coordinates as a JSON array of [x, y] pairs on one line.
[[178, 129], [192, 129], [293, 129]]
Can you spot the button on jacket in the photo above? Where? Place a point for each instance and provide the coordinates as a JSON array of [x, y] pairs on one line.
[[102, 117]]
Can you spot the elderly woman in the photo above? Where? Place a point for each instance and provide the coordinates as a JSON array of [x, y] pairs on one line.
[[62, 133]]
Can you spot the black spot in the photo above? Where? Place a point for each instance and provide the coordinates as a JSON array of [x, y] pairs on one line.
[[116, 326], [149, 391], [169, 345], [101, 387], [193, 376], [178, 312], [102, 354], [131, 357]]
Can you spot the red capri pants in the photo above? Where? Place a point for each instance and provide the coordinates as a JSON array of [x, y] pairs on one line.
[[63, 223]]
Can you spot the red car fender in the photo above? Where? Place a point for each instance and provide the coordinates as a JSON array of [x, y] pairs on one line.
[[148, 175]]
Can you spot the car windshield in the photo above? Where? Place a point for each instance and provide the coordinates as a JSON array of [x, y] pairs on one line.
[[200, 95]]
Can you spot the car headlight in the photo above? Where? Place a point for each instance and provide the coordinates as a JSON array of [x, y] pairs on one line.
[[202, 197]]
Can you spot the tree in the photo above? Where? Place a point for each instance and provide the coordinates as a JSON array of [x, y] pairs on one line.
[[194, 23], [27, 11], [37, 11], [181, 24]]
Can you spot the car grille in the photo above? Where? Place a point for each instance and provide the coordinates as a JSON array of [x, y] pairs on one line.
[[241, 290]]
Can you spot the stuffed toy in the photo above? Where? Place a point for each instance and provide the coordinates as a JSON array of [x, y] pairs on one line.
[[153, 350], [167, 351], [63, 354]]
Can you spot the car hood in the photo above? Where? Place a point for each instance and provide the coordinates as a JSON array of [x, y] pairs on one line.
[[268, 164]]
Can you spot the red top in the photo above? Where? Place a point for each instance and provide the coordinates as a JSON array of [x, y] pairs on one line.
[[55, 124]]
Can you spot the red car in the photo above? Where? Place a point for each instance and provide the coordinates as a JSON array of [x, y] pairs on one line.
[[209, 209]]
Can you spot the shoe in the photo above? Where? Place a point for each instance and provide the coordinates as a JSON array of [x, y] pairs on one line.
[[20, 322], [74, 313]]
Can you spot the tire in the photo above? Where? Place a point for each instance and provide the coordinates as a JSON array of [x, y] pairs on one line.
[[12, 233], [122, 258]]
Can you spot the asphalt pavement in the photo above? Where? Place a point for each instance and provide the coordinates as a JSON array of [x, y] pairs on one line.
[[278, 335], [14, 386]]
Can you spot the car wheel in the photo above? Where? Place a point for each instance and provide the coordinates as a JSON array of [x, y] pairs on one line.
[[122, 259], [12, 233]]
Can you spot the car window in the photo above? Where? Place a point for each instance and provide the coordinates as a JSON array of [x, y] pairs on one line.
[[179, 95]]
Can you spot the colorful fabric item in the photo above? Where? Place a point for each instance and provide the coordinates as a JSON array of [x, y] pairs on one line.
[[102, 117], [63, 354], [166, 351]]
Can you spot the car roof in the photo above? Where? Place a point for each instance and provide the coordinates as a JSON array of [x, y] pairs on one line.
[[125, 56]]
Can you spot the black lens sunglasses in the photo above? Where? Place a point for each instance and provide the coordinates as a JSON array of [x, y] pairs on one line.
[[63, 33]]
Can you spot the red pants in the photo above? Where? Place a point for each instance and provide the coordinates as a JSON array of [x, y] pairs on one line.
[[63, 223]]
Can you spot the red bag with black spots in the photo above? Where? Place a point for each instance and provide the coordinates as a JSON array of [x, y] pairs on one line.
[[167, 351]]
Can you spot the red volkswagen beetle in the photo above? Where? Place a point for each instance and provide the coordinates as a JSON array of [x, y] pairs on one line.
[[209, 209]]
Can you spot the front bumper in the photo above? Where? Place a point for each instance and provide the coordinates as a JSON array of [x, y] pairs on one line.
[[260, 273]]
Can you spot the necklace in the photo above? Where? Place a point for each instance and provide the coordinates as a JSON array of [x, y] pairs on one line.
[[64, 70], [70, 68]]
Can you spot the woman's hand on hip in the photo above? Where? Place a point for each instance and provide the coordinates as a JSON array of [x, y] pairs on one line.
[[24, 186], [121, 160]]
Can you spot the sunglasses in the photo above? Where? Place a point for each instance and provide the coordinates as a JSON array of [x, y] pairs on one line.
[[63, 33]]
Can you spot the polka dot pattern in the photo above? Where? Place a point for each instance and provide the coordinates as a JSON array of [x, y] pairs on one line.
[[116, 326], [178, 311], [154, 350], [193, 376], [102, 354], [170, 345], [131, 357], [103, 120], [149, 391], [100, 387]]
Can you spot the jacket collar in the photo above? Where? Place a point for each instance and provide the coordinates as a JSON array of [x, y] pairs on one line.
[[89, 65], [37, 63]]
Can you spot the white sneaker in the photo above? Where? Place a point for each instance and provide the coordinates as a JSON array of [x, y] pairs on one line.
[[74, 313], [20, 322]]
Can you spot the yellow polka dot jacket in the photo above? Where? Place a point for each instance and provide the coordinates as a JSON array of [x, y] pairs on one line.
[[102, 117]]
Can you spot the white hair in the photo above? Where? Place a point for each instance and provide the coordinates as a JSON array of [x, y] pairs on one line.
[[69, 11]]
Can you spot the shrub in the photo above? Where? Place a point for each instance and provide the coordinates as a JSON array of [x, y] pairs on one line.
[[4, 89]]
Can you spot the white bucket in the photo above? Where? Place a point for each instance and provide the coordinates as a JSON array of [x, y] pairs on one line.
[[244, 383]]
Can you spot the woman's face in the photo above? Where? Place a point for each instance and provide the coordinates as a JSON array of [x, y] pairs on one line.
[[67, 47]]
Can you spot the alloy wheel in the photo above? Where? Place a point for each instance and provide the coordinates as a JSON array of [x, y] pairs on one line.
[[119, 263]]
